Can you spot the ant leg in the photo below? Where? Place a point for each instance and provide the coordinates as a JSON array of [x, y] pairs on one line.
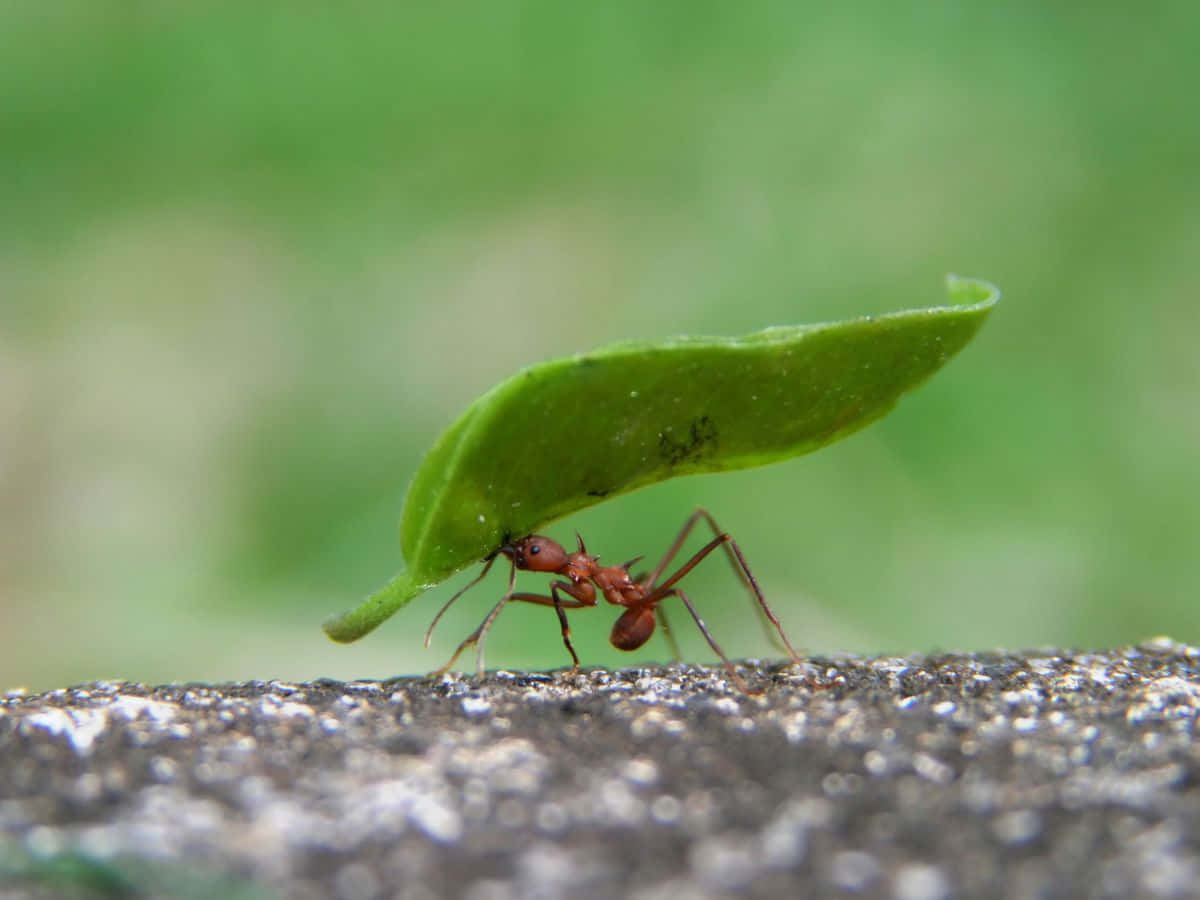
[[560, 606], [663, 589], [653, 577], [736, 562], [562, 621], [697, 514], [737, 679], [478, 636], [669, 635], [487, 565], [763, 606]]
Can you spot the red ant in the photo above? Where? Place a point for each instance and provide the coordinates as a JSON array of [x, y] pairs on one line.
[[640, 596]]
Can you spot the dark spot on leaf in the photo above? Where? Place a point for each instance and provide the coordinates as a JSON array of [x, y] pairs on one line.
[[701, 440], [599, 492]]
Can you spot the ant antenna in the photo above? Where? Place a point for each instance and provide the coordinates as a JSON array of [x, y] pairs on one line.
[[478, 578]]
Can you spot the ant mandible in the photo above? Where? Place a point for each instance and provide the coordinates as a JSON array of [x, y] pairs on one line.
[[641, 596]]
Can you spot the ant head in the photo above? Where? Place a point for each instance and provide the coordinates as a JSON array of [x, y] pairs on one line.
[[536, 554]]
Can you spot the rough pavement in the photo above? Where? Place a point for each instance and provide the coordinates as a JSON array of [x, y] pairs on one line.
[[1046, 774]]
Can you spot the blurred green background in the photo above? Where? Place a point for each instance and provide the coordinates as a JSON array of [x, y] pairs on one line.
[[254, 257]]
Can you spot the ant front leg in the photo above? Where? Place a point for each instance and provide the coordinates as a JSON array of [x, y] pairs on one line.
[[561, 605], [478, 636]]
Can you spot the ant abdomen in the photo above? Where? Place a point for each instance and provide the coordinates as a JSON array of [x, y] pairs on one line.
[[633, 628]]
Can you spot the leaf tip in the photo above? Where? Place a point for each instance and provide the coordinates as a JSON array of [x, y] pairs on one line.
[[971, 291]]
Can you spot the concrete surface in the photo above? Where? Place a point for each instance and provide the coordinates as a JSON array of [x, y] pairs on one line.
[[1047, 774]]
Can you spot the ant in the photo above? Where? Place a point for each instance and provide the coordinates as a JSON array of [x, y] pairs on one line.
[[583, 576]]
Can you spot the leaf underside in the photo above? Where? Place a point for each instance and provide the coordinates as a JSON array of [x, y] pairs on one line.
[[604, 423]]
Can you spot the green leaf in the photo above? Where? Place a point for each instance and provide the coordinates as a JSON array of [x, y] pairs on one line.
[[568, 433]]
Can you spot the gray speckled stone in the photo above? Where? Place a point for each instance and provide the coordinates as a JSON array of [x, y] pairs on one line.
[[1043, 774]]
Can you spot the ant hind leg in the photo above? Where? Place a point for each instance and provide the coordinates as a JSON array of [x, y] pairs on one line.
[[737, 561], [669, 634], [729, 667]]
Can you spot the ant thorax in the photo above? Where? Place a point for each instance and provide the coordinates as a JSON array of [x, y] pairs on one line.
[[616, 585], [579, 567]]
